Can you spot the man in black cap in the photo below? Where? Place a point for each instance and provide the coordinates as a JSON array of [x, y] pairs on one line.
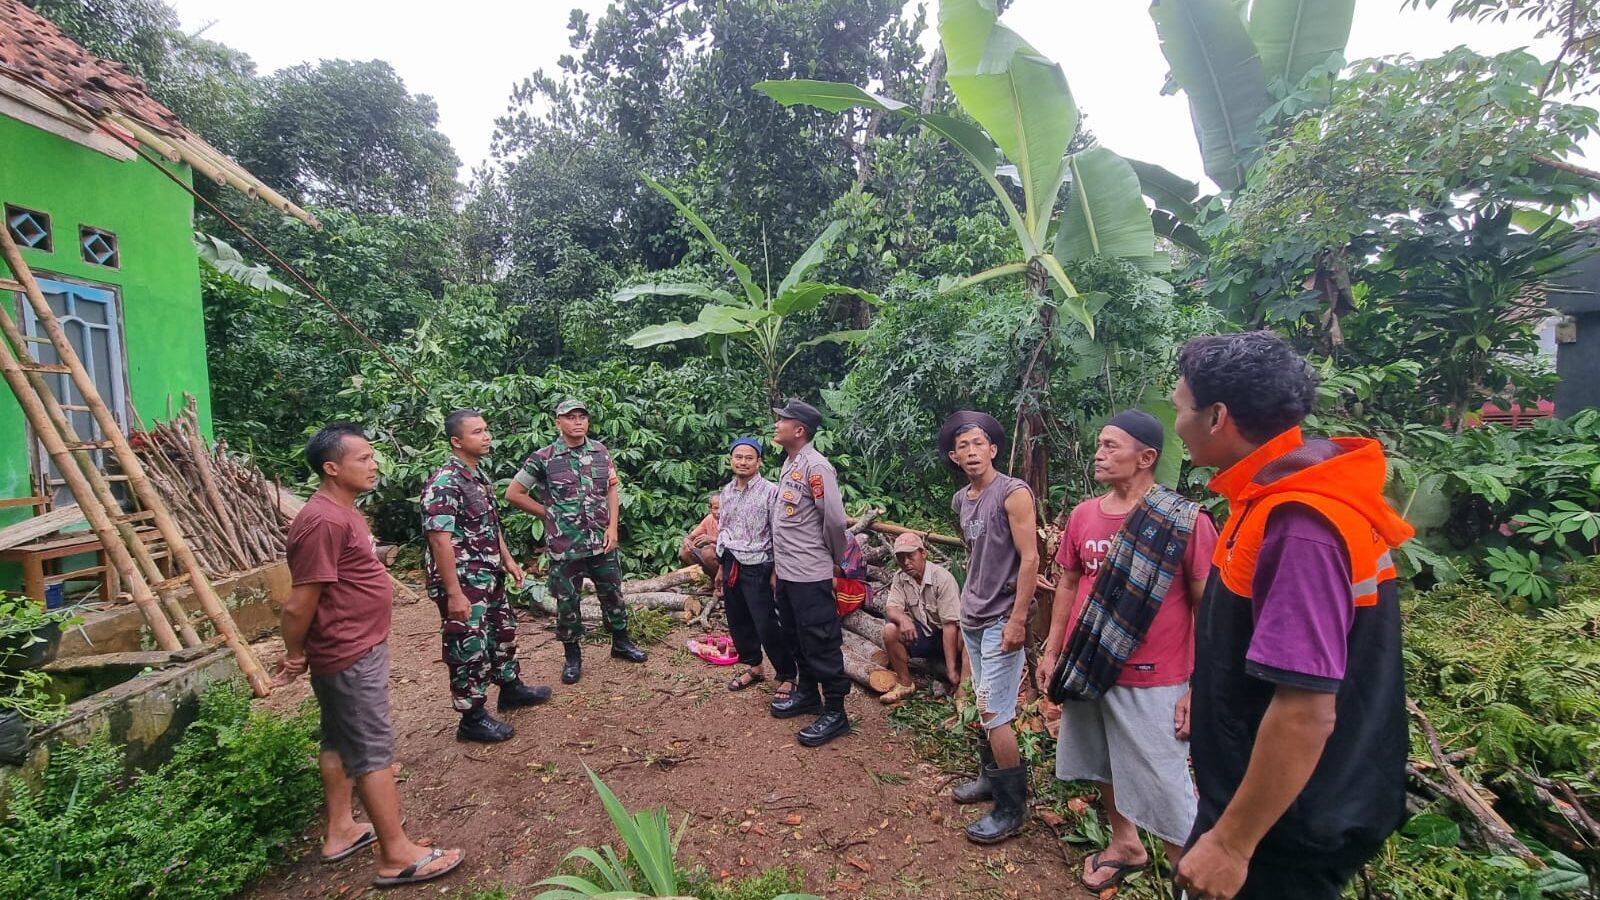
[[1133, 739], [998, 525], [808, 542]]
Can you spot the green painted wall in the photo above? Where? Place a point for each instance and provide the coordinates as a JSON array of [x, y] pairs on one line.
[[158, 282]]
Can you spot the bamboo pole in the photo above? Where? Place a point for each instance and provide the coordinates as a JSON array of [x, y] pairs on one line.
[[176, 544], [102, 491], [99, 520]]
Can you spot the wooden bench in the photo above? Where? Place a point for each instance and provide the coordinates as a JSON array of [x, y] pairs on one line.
[[37, 547]]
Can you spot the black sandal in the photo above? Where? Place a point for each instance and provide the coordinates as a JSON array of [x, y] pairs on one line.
[[781, 692], [746, 678]]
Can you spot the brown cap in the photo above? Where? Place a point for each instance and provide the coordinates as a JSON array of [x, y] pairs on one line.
[[908, 543]]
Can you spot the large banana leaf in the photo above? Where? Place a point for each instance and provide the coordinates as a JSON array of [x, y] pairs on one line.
[[833, 96], [1218, 67], [1167, 190], [713, 319], [1019, 97], [1180, 233], [1295, 36], [740, 270], [812, 256], [1106, 215], [674, 289], [809, 295]]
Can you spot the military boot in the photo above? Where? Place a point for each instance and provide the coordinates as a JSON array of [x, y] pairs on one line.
[[623, 648], [572, 669], [1010, 807], [514, 694], [477, 725], [978, 789]]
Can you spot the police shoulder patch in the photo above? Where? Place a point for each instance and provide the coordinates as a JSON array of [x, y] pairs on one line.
[[816, 486]]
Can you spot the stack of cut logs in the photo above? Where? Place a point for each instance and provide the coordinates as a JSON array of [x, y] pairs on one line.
[[224, 505]]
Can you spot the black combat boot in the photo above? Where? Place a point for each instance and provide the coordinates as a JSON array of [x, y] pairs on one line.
[[623, 648], [831, 724], [572, 669], [803, 700], [514, 694], [478, 725], [1010, 807], [978, 789]]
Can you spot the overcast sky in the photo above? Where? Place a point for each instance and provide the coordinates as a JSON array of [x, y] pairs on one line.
[[468, 57]]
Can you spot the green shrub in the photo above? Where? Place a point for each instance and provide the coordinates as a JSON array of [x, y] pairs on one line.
[[239, 786]]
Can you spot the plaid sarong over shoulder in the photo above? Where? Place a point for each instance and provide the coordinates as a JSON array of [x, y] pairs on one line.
[[1139, 567]]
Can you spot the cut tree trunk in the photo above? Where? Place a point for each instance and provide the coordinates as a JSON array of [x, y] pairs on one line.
[[860, 646], [675, 578], [861, 671], [865, 626]]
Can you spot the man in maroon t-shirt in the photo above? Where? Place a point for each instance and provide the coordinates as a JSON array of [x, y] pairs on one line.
[[336, 623], [1133, 739]]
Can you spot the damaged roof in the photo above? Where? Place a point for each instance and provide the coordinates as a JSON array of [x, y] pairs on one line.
[[51, 75]]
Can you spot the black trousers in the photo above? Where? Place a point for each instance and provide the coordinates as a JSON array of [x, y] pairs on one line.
[[810, 620], [747, 596]]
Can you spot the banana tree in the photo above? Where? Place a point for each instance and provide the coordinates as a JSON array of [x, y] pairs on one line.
[[1025, 116], [1239, 64], [755, 319]]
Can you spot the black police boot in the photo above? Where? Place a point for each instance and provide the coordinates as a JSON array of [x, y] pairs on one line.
[[1010, 807], [978, 789], [572, 669], [623, 648], [803, 700], [831, 724], [515, 694], [478, 725]]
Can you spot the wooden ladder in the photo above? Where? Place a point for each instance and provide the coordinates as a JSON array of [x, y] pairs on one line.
[[154, 593]]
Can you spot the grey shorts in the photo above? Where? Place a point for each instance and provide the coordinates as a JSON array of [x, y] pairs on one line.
[[1126, 739], [996, 674], [355, 713]]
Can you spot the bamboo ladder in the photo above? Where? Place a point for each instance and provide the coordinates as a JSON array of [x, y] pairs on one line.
[[154, 593]]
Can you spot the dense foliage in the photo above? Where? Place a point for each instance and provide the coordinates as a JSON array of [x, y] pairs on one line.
[[1400, 219], [238, 787]]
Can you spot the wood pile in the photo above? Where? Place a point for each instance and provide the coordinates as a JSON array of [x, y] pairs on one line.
[[226, 508]]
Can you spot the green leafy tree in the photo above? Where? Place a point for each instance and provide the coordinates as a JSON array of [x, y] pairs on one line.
[[1576, 23], [1025, 114], [349, 135], [756, 319]]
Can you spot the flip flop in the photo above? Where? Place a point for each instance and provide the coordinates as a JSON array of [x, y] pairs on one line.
[[1122, 871], [745, 679], [409, 875], [367, 839]]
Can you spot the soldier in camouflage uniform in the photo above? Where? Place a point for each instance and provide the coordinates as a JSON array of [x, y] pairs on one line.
[[467, 565], [572, 486]]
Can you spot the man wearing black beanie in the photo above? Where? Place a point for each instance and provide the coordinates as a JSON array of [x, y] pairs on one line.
[[1133, 737]]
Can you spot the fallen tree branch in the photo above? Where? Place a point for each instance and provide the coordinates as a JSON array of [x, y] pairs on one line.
[[866, 520], [932, 537], [1496, 831]]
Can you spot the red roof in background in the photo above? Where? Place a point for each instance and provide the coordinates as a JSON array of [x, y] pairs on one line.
[[34, 50]]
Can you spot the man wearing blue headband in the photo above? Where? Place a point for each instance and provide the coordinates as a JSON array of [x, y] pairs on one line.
[[744, 573]]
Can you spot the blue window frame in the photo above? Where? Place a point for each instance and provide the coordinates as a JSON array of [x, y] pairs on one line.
[[30, 228]]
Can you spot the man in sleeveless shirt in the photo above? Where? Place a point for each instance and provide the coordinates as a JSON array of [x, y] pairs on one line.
[[1298, 719], [808, 544], [997, 518]]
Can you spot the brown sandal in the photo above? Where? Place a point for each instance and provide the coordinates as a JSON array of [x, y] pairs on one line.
[[746, 678], [784, 690]]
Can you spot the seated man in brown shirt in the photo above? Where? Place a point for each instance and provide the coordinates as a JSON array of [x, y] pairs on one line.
[[336, 623], [924, 612]]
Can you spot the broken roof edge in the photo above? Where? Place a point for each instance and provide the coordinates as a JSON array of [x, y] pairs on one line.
[[49, 81]]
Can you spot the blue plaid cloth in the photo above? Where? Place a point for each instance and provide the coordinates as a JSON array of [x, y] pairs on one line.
[[1139, 567]]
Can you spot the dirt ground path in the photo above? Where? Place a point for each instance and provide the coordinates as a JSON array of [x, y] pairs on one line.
[[862, 817]]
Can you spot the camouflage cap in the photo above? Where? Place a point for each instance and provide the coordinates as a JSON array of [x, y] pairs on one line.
[[570, 404]]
